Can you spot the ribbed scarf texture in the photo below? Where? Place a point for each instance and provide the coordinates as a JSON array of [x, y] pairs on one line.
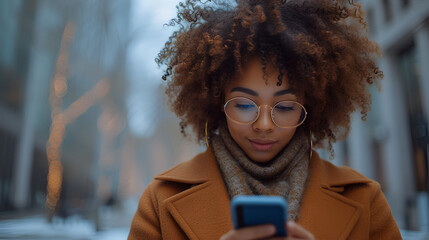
[[285, 175]]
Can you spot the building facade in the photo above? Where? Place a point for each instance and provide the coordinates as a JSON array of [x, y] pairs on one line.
[[392, 145]]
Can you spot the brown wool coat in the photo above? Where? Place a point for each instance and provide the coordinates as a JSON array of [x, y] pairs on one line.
[[190, 201]]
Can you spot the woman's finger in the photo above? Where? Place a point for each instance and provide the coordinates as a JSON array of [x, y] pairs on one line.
[[278, 238], [248, 233], [296, 231]]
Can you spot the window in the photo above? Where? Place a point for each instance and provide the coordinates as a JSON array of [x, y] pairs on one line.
[[409, 74], [405, 3], [387, 10]]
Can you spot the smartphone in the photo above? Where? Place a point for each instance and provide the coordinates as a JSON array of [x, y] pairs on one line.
[[256, 210]]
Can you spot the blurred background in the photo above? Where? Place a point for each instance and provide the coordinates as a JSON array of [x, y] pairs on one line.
[[84, 126]]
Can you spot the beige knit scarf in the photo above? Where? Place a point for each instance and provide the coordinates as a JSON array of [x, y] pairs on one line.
[[285, 175]]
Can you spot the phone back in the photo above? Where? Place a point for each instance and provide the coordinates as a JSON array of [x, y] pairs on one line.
[[257, 210]]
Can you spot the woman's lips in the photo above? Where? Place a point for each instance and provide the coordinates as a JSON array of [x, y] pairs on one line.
[[262, 145]]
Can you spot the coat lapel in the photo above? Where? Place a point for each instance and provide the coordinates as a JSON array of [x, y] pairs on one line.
[[324, 211], [202, 211]]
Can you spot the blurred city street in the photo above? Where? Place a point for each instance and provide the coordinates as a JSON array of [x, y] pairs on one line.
[[37, 227], [114, 222], [74, 228]]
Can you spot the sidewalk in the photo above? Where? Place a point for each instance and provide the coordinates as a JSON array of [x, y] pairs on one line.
[[414, 235], [114, 225]]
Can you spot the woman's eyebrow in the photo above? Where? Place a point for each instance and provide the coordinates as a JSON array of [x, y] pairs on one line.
[[245, 90], [282, 92]]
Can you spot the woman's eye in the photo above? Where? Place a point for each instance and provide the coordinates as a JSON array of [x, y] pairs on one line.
[[285, 108], [244, 106]]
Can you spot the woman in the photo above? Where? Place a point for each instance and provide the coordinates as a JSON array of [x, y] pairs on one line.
[[259, 81]]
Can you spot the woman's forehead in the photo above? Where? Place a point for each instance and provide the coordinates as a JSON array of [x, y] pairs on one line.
[[253, 77]]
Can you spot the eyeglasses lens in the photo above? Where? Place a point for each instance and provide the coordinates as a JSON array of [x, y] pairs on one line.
[[242, 110], [284, 114], [288, 114]]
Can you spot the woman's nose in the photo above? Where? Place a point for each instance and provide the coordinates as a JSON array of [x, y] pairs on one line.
[[264, 122]]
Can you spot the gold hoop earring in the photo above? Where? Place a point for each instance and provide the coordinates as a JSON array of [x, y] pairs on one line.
[[207, 140], [311, 145]]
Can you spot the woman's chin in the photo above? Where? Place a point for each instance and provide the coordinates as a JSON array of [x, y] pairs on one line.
[[261, 158]]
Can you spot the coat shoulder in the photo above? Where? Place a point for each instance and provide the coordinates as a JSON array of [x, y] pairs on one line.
[[199, 169], [335, 176], [349, 196], [346, 181]]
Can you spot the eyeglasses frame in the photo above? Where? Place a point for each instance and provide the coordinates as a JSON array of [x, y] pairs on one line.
[[259, 111]]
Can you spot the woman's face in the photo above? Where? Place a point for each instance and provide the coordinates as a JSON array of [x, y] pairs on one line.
[[262, 140]]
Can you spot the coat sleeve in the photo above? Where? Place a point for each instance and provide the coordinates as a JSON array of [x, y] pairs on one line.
[[383, 225], [145, 224]]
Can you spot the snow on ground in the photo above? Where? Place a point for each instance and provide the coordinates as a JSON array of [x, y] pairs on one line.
[[73, 228]]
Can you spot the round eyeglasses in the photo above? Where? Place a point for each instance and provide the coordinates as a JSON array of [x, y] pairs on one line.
[[285, 114]]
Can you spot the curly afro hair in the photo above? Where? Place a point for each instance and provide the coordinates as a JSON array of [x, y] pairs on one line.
[[321, 45]]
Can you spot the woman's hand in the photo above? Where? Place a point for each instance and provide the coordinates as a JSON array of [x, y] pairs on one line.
[[294, 230]]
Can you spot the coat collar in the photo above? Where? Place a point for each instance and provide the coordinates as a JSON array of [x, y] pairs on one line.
[[202, 211], [324, 211], [208, 194]]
